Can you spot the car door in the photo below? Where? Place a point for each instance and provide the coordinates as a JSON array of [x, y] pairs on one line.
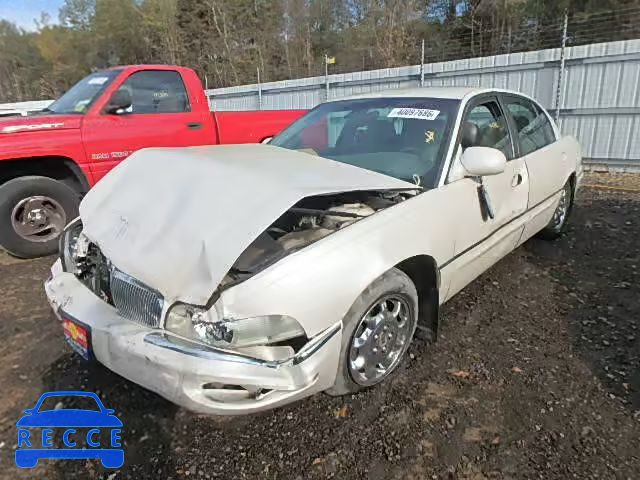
[[160, 116], [481, 239], [545, 157]]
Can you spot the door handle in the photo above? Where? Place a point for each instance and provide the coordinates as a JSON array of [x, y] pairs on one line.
[[194, 125], [517, 180]]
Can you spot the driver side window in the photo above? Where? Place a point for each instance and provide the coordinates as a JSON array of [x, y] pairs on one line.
[[156, 91], [492, 127]]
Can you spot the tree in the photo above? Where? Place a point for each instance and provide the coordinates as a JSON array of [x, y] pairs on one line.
[[226, 41], [77, 14], [21, 65]]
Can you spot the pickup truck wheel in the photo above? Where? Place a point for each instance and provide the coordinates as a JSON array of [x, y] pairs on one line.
[[558, 223], [33, 212], [376, 332]]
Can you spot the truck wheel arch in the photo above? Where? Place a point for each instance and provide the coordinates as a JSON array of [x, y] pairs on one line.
[[59, 168]]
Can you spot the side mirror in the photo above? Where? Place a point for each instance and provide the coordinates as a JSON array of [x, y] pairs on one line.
[[120, 100], [482, 161], [469, 135]]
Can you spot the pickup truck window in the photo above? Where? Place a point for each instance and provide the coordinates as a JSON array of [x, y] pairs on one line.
[[404, 138], [157, 91], [81, 96]]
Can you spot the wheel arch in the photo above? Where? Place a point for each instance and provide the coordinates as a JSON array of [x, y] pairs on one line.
[[423, 272], [57, 167], [573, 181]]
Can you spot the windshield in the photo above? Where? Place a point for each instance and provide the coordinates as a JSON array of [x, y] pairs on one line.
[[82, 95], [62, 402], [405, 138]]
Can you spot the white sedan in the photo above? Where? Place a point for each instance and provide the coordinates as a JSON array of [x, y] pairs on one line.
[[233, 279]]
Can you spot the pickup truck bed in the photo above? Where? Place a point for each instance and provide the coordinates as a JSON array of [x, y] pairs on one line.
[[250, 127]]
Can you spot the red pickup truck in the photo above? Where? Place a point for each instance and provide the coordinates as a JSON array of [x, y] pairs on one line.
[[50, 159]]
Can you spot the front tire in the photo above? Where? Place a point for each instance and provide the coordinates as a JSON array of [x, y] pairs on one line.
[[558, 224], [376, 333], [33, 212]]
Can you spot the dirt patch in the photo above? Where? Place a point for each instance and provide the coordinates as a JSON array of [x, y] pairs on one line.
[[536, 375]]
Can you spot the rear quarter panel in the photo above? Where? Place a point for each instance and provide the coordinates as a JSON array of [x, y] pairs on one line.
[[253, 127], [550, 168]]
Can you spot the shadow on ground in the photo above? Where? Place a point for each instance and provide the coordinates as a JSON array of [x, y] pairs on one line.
[[597, 266]]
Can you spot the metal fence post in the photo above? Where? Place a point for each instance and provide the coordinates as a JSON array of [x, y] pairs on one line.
[[562, 62], [422, 65], [326, 75], [259, 90]]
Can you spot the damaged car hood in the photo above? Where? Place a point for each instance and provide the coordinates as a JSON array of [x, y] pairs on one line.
[[178, 218]]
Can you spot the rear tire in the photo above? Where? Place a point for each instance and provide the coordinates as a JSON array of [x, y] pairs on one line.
[[558, 224], [396, 288], [33, 212]]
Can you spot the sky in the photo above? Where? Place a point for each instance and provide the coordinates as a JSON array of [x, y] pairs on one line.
[[23, 12]]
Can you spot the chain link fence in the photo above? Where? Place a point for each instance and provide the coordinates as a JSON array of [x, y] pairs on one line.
[[572, 30]]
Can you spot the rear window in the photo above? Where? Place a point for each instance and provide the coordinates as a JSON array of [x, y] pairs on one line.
[[60, 402]]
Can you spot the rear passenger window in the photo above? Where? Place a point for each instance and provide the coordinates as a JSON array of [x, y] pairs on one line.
[[157, 91], [533, 125], [492, 127]]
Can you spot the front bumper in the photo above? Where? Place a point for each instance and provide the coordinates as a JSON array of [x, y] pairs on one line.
[[200, 378]]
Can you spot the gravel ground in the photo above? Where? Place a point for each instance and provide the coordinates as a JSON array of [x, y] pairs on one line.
[[536, 375]]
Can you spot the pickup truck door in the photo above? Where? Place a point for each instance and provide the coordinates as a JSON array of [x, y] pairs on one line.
[[160, 115], [482, 240]]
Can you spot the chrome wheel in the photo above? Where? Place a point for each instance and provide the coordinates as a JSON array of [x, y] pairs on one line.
[[562, 210], [380, 339], [38, 219]]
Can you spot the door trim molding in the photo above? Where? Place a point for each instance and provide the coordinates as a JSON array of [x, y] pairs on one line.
[[471, 247]]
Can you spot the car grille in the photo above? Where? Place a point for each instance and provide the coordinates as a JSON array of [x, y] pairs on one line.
[[134, 300]]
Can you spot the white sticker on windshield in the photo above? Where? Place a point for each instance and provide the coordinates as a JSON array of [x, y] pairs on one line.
[[98, 80], [419, 113]]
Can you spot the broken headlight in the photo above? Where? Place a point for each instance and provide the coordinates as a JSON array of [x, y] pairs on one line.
[[208, 326], [72, 246]]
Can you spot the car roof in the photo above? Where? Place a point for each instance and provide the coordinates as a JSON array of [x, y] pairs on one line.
[[457, 93]]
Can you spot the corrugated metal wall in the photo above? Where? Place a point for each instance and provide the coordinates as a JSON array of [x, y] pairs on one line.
[[599, 105], [600, 98]]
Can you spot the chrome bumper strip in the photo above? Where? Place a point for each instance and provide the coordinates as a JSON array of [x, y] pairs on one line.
[[188, 347]]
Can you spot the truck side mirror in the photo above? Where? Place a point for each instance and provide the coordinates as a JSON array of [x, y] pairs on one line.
[[119, 101]]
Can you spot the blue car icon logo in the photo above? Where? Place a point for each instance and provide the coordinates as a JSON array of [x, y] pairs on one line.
[[85, 433]]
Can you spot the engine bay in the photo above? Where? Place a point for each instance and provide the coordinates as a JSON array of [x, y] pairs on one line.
[[306, 222]]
